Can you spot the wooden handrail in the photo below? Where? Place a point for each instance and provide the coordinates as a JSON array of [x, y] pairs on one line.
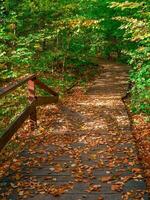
[[15, 125], [13, 86], [45, 87], [30, 110]]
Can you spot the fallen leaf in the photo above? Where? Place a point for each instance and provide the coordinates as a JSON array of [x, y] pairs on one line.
[[106, 178], [136, 170], [116, 186], [21, 193], [58, 168], [94, 188]]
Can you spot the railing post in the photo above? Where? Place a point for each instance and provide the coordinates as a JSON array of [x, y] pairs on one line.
[[31, 97]]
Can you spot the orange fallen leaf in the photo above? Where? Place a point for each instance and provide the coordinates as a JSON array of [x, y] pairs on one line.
[[106, 178], [100, 163], [94, 188], [117, 186], [58, 168], [136, 170]]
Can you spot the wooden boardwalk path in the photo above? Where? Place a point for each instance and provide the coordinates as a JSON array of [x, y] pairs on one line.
[[87, 150]]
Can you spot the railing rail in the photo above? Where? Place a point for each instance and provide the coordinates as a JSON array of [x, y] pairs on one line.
[[30, 110], [13, 86]]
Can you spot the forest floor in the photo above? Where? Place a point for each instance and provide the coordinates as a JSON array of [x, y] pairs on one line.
[[141, 131], [83, 149]]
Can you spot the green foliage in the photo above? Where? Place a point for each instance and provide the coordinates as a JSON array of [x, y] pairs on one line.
[[56, 40], [44, 36], [135, 21]]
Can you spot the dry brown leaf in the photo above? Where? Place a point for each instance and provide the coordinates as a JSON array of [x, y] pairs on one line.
[[21, 193], [136, 170], [106, 178], [100, 198], [100, 164], [58, 168], [94, 188], [116, 186], [93, 156]]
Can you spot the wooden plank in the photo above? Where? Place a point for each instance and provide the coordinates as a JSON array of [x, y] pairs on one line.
[[46, 100], [15, 125], [13, 86], [46, 88]]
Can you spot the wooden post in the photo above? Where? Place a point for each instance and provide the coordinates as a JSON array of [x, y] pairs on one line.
[[31, 98]]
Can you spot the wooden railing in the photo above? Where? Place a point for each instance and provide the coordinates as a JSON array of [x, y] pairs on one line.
[[30, 110]]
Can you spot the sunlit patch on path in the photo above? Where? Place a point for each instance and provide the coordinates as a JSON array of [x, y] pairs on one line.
[[83, 150]]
